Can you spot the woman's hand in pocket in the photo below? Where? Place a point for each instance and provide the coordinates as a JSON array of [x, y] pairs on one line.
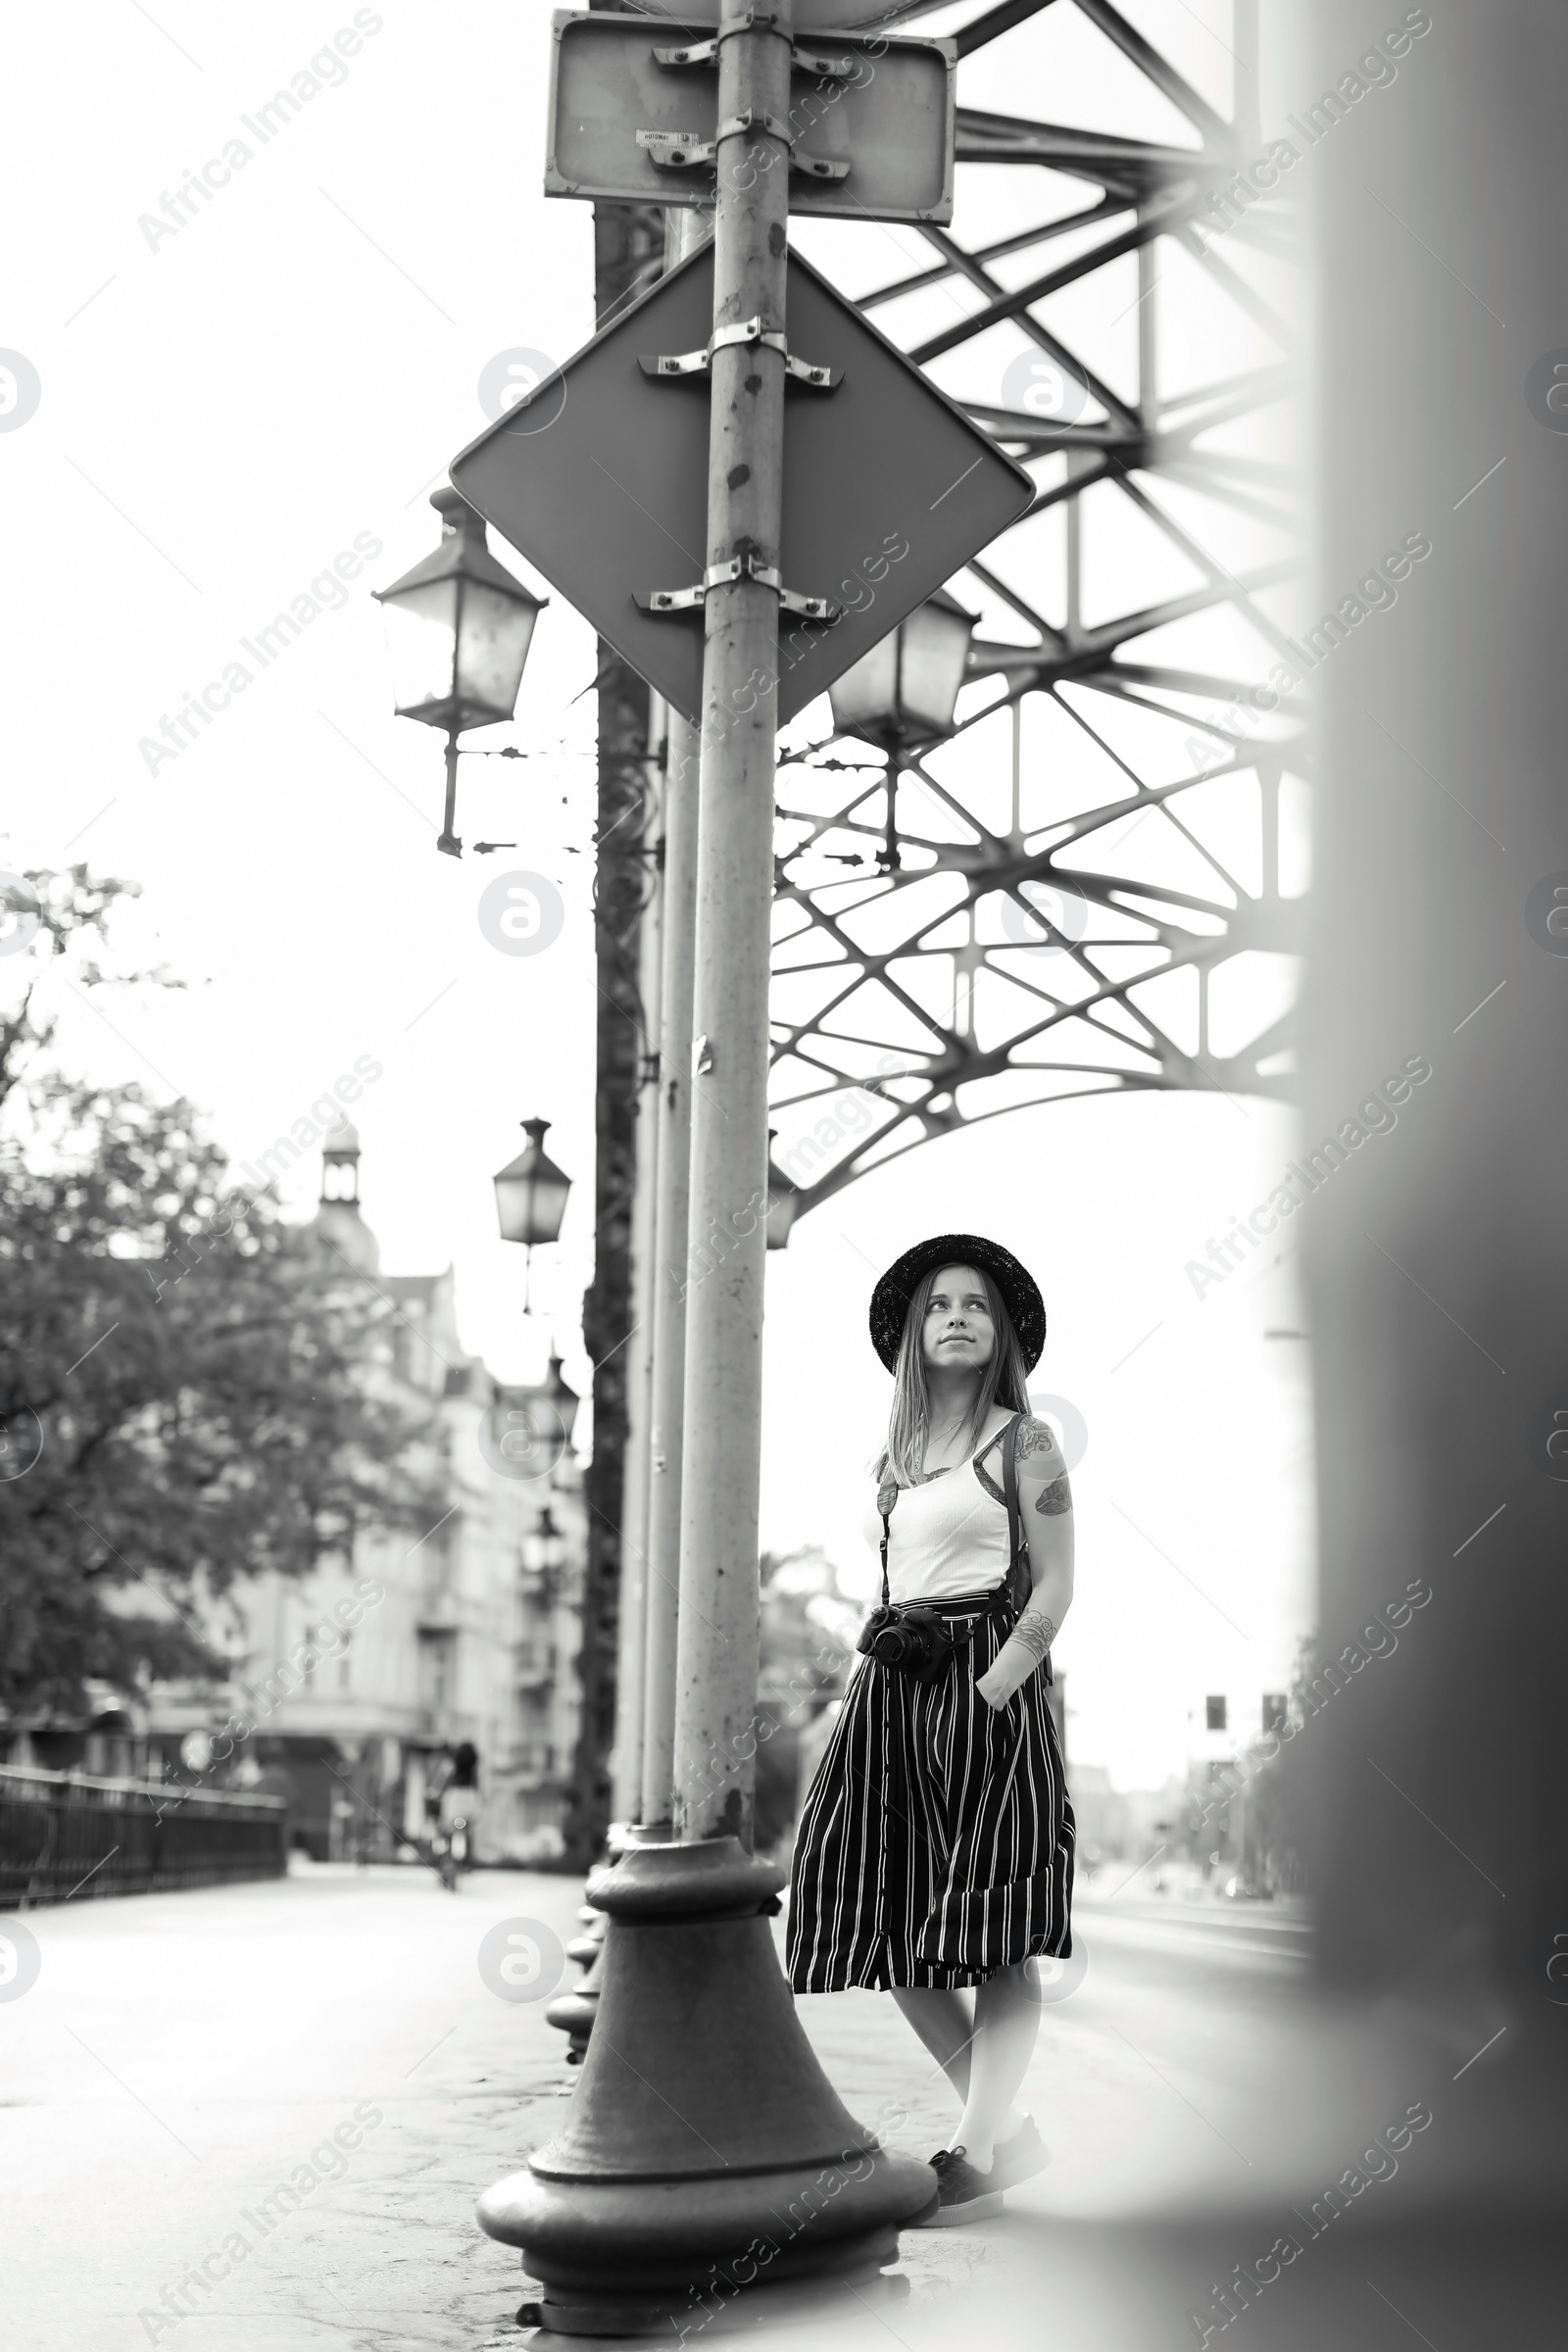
[[996, 1685]]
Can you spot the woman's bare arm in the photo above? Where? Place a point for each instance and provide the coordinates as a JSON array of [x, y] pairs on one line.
[[1045, 1501]]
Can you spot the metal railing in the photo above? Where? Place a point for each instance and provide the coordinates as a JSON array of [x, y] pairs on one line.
[[67, 1833]]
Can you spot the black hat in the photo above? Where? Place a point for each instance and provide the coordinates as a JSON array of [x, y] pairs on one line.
[[1020, 1294]]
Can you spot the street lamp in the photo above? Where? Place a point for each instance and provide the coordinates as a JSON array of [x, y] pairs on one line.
[[903, 692], [564, 1401], [459, 626], [531, 1203], [545, 1549]]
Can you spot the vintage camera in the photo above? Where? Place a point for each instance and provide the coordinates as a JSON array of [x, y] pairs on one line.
[[905, 1636]]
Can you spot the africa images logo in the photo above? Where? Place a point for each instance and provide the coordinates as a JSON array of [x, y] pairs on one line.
[[1546, 914], [20, 390], [1546, 390], [1376, 1115], [327, 69]]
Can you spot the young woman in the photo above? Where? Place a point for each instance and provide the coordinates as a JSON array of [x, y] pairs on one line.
[[936, 1845]]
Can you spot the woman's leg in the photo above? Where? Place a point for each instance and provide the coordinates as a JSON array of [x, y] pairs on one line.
[[939, 2015], [1006, 2013]]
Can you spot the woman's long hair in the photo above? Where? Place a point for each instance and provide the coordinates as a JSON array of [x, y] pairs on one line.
[[1002, 1381]]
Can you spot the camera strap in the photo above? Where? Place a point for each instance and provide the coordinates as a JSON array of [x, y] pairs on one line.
[[1019, 1581], [887, 1495]]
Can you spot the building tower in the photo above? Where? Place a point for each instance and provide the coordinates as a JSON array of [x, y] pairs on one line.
[[337, 1218]]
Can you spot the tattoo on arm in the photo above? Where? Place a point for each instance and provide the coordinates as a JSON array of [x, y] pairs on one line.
[[1055, 1498], [1034, 1437], [1034, 1633]]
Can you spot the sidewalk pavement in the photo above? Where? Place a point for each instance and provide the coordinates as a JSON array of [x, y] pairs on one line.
[[304, 2084]]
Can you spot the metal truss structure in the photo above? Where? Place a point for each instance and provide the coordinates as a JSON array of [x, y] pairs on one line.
[[1093, 886]]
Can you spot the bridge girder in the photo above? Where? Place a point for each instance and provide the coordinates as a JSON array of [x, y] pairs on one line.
[[1085, 937]]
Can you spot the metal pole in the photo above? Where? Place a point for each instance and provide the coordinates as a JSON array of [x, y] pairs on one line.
[[666, 1293], [718, 1650], [648, 2192], [625, 237], [631, 1630], [447, 841]]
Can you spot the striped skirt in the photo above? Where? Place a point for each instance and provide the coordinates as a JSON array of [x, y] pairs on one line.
[[936, 1844]]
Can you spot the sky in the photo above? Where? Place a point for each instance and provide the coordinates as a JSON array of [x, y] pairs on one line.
[[245, 413]]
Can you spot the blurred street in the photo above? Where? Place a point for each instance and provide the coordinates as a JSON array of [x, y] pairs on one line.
[[175, 2080], [180, 2055]]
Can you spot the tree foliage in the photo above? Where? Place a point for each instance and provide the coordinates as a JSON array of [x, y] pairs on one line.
[[192, 1391], [62, 910]]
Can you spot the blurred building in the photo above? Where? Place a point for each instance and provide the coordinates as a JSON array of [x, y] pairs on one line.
[[347, 1689], [1103, 1818], [1127, 1834], [806, 1646]]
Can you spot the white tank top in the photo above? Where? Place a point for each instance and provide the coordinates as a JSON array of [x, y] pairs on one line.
[[946, 1536]]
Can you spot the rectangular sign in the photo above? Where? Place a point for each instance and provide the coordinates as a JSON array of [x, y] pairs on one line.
[[599, 477], [873, 135]]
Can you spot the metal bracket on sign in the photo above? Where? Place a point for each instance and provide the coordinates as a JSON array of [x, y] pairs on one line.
[[672, 600], [701, 53], [768, 575], [815, 166], [826, 69], [672, 363], [684, 151], [746, 330], [745, 120], [740, 568], [801, 61], [820, 166], [678, 150]]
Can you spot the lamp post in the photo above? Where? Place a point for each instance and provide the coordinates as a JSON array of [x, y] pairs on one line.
[[530, 1202], [459, 627], [905, 691]]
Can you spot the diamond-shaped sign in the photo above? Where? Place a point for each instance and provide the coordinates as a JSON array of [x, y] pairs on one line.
[[600, 478], [872, 121]]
